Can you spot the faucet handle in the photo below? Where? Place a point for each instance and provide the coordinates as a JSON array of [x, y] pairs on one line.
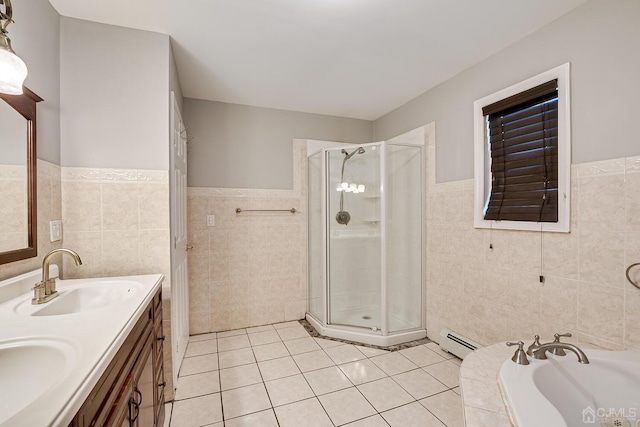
[[558, 336], [558, 351], [534, 345], [519, 357]]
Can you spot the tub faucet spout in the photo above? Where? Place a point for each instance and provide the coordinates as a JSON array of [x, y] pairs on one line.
[[582, 358], [45, 290]]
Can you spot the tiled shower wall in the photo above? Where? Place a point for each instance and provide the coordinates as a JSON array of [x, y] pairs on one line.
[[49, 209], [250, 268], [492, 295], [118, 221]]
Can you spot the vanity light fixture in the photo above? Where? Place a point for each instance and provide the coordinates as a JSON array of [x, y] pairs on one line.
[[13, 70]]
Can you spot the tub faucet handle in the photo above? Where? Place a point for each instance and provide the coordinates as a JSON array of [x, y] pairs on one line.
[[534, 346], [519, 357], [557, 350]]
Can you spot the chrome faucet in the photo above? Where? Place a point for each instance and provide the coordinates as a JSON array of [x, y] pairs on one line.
[[582, 358], [45, 290]]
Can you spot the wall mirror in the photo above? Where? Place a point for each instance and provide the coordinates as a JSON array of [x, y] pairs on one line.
[[18, 214]]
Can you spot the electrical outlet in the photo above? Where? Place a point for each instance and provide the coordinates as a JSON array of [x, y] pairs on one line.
[[55, 230], [211, 220]]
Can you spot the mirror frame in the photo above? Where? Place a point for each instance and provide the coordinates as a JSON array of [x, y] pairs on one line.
[[25, 104]]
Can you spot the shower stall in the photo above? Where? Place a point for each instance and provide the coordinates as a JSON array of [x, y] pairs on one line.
[[366, 242]]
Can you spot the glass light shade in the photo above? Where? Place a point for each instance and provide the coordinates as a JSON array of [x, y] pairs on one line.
[[339, 187], [13, 71], [361, 188], [355, 191], [353, 187], [344, 185]]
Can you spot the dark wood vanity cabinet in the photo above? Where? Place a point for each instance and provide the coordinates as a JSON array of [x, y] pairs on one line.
[[131, 390]]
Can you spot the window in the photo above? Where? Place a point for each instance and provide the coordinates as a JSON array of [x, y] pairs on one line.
[[522, 155]]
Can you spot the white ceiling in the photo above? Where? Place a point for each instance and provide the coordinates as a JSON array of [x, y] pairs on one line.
[[349, 58]]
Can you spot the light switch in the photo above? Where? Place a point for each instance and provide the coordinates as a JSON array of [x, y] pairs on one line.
[[211, 220], [55, 229]]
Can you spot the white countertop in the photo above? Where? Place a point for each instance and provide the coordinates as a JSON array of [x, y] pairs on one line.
[[95, 336]]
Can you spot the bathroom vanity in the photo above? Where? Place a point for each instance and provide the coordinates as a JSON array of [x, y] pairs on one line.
[[90, 356]]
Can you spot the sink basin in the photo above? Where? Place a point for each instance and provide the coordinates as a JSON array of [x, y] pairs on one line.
[[84, 297], [28, 368]]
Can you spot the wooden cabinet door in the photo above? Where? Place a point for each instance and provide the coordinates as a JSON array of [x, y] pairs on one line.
[[143, 388]]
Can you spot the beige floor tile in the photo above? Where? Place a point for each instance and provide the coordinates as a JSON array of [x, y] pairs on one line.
[[371, 352], [411, 415], [446, 372], [286, 324], [233, 343], [293, 333], [435, 347], [239, 376], [362, 371], [419, 384], [199, 364], [421, 355], [301, 345], [245, 400], [344, 354], [447, 407], [198, 385], [375, 421], [327, 380], [199, 348], [313, 360], [197, 412], [270, 351], [345, 406], [232, 333], [307, 413], [257, 329], [393, 363], [327, 343], [278, 368], [203, 337], [266, 337], [259, 419], [241, 356], [288, 390], [385, 394]]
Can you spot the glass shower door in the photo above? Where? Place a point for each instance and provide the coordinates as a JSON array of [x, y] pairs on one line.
[[354, 236]]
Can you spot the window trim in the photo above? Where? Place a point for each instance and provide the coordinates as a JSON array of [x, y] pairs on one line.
[[482, 156]]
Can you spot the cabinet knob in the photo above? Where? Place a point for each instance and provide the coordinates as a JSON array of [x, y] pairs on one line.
[[188, 247]]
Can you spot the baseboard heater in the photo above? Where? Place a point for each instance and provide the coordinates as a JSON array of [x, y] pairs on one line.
[[456, 344]]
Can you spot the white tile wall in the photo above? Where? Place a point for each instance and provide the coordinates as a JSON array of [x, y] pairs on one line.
[[492, 295], [250, 268]]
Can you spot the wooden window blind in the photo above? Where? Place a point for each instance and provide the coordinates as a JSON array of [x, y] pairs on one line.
[[523, 139]]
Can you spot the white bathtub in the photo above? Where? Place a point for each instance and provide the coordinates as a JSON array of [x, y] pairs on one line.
[[561, 392]]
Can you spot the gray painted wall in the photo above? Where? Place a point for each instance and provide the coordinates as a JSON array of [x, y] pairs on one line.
[[237, 146], [35, 36], [114, 85], [601, 39], [174, 80]]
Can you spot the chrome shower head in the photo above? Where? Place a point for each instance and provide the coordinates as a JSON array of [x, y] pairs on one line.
[[348, 155]]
